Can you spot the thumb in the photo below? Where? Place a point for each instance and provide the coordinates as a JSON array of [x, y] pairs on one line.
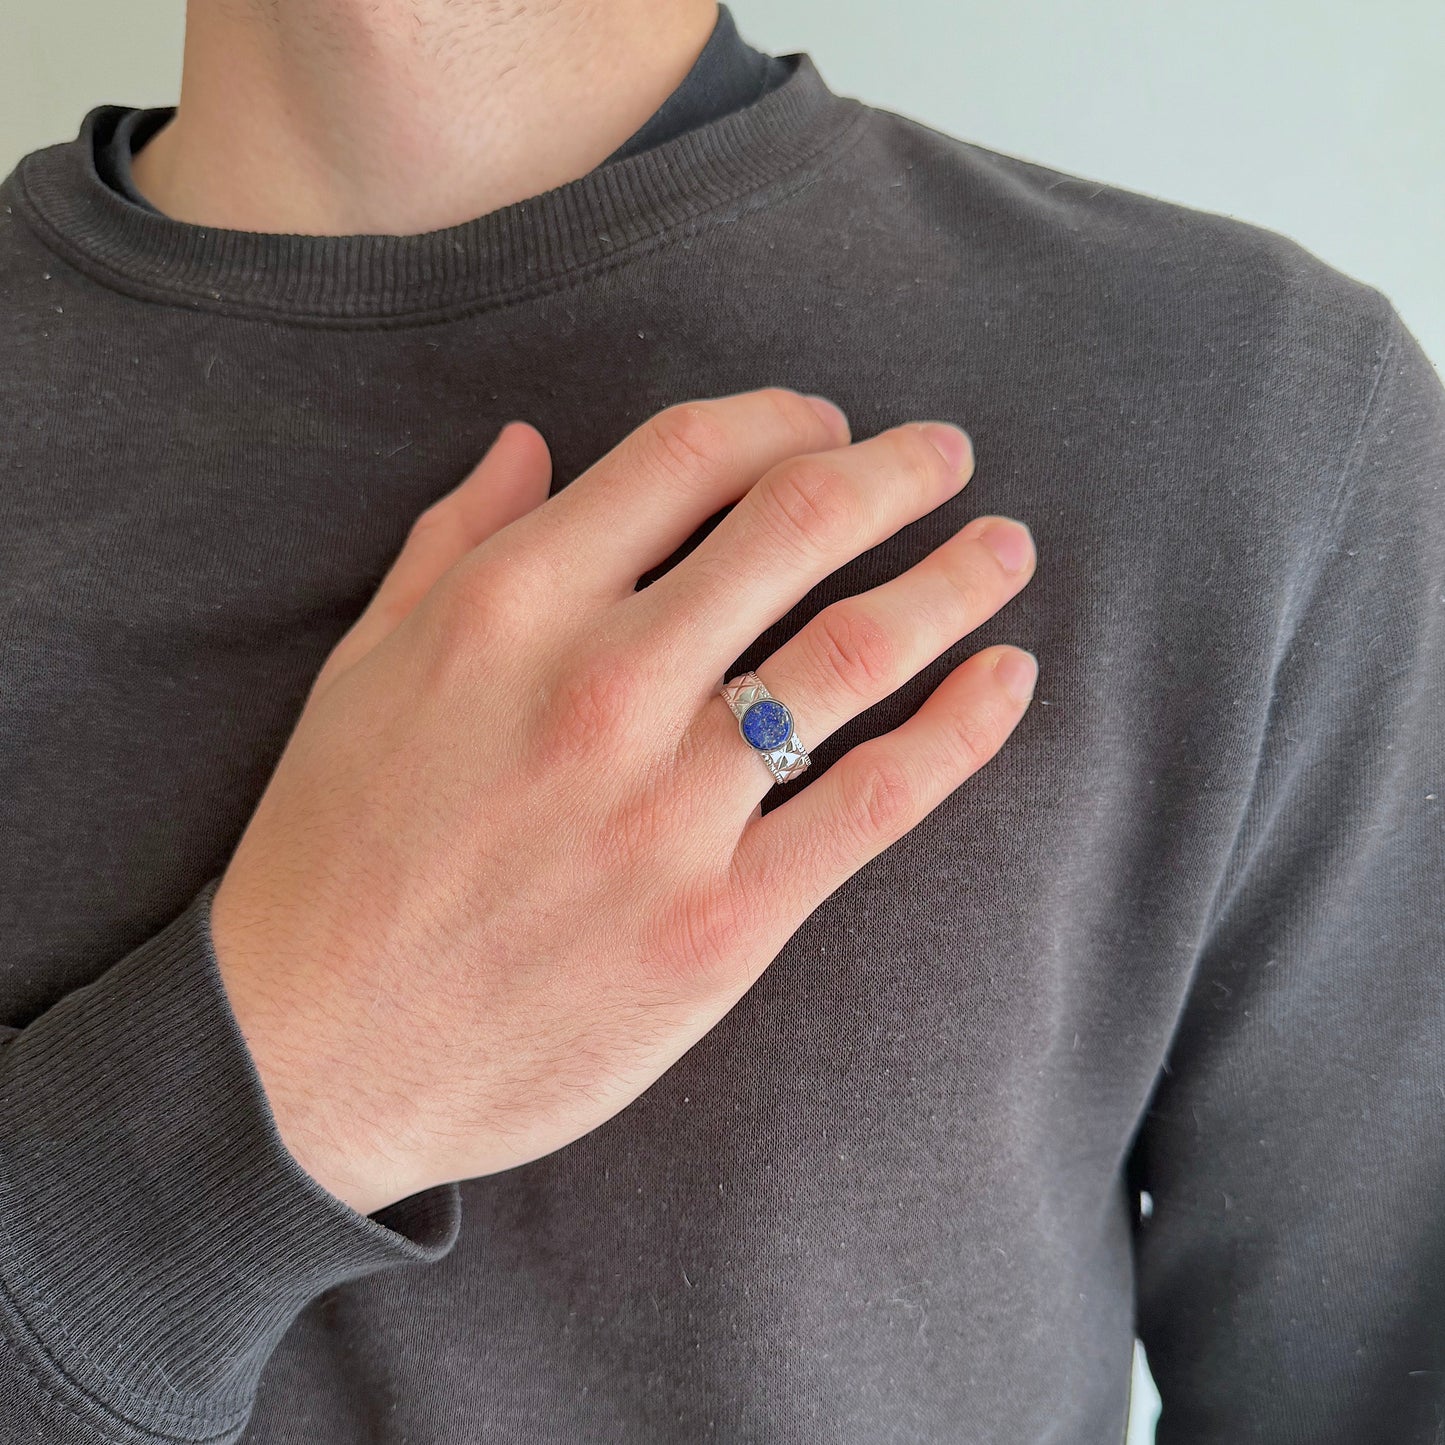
[[512, 478]]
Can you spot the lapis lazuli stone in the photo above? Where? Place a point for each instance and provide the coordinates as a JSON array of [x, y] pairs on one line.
[[767, 724]]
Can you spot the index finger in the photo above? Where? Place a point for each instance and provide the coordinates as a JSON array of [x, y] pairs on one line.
[[642, 500]]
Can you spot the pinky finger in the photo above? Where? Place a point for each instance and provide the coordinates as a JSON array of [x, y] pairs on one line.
[[883, 788]]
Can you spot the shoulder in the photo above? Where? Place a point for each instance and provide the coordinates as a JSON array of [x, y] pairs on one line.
[[1195, 292]]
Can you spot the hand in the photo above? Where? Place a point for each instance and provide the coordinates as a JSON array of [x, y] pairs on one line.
[[512, 864]]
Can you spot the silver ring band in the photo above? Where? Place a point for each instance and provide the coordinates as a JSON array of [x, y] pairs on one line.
[[766, 726]]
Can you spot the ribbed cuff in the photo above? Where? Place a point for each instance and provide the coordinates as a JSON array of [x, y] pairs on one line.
[[156, 1236]]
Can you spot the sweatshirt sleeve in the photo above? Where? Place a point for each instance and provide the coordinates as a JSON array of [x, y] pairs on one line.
[[156, 1236], [1291, 1265]]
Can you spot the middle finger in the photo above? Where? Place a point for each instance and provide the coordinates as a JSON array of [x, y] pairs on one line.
[[803, 519]]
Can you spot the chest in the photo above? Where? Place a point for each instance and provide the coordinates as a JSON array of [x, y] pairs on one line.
[[189, 523]]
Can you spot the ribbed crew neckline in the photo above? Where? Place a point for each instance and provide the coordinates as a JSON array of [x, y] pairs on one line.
[[755, 155]]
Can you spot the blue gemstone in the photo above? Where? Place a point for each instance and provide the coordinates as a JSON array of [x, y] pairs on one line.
[[767, 724]]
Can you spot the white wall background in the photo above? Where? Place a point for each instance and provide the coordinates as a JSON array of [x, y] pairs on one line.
[[1324, 119]]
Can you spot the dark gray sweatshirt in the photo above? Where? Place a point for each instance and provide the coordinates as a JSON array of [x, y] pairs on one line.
[[1184, 937]]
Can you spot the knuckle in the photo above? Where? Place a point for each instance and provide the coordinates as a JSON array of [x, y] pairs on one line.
[[459, 625], [519, 573], [856, 649], [974, 736], [515, 574], [487, 596], [443, 651], [814, 501], [465, 605], [959, 571], [689, 440], [793, 409], [591, 708], [885, 801]]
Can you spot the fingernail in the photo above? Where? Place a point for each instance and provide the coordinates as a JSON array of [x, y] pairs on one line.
[[1017, 671], [1010, 542], [951, 441], [831, 414]]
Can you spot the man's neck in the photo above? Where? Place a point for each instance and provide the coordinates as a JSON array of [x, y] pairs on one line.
[[336, 117]]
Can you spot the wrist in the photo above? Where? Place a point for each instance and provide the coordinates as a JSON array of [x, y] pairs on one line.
[[310, 1088]]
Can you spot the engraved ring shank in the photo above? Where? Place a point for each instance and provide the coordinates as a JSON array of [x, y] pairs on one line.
[[788, 758]]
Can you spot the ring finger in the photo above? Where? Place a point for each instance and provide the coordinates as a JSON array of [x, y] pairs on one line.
[[857, 651]]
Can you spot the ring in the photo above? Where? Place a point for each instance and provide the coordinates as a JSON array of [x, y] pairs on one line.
[[766, 726]]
